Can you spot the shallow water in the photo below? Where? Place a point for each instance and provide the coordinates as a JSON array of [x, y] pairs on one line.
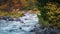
[[27, 24], [24, 26]]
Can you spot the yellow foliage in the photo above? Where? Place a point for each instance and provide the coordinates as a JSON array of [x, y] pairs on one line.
[[14, 13], [54, 13]]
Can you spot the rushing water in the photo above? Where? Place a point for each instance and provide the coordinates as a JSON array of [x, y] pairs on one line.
[[22, 25], [27, 24]]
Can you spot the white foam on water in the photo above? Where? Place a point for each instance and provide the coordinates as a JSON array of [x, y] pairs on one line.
[[30, 20]]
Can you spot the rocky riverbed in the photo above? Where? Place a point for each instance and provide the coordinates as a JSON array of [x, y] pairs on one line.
[[21, 25], [27, 24]]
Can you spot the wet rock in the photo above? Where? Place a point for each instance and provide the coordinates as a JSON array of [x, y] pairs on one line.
[[10, 30], [48, 31], [32, 30], [20, 28], [5, 18], [10, 19], [57, 30]]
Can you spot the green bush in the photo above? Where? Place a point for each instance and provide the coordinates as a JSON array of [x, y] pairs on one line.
[[50, 13]]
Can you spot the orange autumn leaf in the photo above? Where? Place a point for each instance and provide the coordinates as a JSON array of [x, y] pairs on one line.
[[36, 11]]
